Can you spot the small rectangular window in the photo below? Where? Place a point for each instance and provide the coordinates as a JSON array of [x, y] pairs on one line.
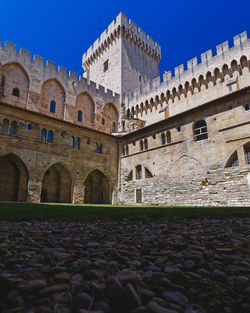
[[105, 65], [138, 195]]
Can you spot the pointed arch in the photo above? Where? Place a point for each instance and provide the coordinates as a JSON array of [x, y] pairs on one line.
[[52, 91], [13, 179], [56, 184], [85, 104], [111, 115]]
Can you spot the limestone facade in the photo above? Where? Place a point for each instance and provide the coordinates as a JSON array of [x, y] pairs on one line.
[[120, 134]]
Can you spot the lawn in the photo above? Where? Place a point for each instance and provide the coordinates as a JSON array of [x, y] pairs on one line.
[[69, 212]]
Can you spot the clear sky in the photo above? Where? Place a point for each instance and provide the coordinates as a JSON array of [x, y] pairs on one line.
[[62, 30]]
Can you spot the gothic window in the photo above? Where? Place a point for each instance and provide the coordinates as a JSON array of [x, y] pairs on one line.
[[106, 65], [148, 174], [5, 126], [247, 153], [50, 136], [29, 127], [233, 161], [16, 92], [79, 116], [43, 135], [52, 107], [13, 128], [138, 193], [77, 143], [168, 137], [141, 145], [247, 107], [163, 139], [138, 172], [200, 130], [72, 141], [146, 144]]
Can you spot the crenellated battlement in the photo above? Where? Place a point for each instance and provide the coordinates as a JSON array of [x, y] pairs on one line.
[[122, 24], [42, 70], [224, 55]]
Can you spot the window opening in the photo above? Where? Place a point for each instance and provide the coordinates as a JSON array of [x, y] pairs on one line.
[[79, 116], [105, 65], [168, 137], [141, 145], [247, 154], [29, 127], [72, 141], [78, 143], [130, 176], [200, 130], [233, 161], [43, 135], [247, 107], [138, 172], [146, 144], [16, 92], [13, 128], [163, 139], [52, 107], [5, 126], [50, 136]]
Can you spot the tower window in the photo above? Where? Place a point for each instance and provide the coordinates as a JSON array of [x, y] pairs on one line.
[[105, 66], [29, 127], [52, 107], [16, 92], [43, 135], [50, 136]]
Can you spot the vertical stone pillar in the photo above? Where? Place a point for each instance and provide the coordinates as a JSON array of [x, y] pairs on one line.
[[134, 173], [78, 192], [34, 190], [143, 172], [241, 156]]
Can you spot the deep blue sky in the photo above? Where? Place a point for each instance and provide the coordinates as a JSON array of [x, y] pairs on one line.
[[60, 31]]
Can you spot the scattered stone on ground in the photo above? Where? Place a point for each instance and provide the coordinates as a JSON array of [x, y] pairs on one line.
[[192, 266]]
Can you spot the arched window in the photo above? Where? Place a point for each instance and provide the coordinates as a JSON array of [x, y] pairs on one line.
[[50, 136], [5, 126], [13, 128], [233, 160], [43, 135], [29, 127], [138, 172], [247, 153], [148, 174], [168, 137], [163, 139], [200, 130], [247, 107], [72, 141], [141, 145], [113, 127], [78, 143], [16, 92], [146, 144], [79, 116], [52, 107]]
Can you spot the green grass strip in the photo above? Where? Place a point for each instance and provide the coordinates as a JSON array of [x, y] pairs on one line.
[[10, 211]]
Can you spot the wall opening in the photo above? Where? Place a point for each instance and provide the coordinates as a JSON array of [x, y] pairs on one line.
[[97, 188]]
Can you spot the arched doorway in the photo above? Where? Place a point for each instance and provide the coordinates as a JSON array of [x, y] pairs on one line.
[[13, 179], [97, 188], [56, 186]]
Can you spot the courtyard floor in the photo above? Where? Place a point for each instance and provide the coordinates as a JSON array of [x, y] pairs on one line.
[[188, 266]]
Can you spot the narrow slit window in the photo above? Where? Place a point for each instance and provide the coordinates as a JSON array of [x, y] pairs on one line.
[[52, 107]]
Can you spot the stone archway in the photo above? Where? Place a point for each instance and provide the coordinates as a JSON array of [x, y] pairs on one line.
[[97, 188], [13, 178], [56, 185]]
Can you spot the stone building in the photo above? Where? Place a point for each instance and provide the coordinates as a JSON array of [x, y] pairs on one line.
[[120, 134]]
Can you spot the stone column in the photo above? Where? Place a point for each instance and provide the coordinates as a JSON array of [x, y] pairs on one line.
[[78, 192], [34, 190], [143, 172]]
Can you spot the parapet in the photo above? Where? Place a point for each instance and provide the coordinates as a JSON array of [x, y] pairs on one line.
[[241, 46], [49, 70], [114, 28]]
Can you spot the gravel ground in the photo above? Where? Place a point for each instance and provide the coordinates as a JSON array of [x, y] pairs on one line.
[[193, 266]]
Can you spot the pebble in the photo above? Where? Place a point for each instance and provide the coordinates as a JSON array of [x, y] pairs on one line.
[[128, 267]]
